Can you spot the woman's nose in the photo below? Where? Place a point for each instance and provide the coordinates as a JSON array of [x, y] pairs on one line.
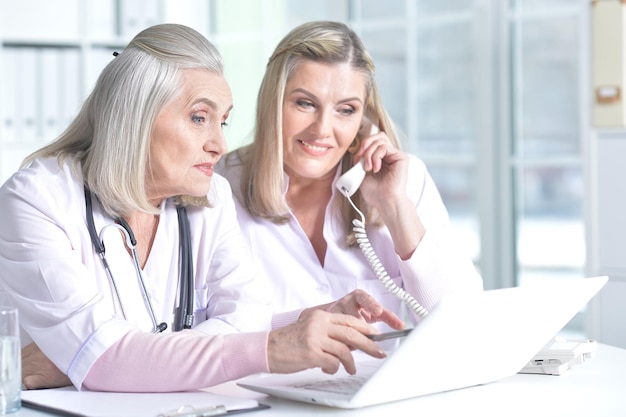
[[321, 126], [216, 143]]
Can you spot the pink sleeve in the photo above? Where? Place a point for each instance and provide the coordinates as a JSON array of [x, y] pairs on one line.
[[187, 360], [285, 318]]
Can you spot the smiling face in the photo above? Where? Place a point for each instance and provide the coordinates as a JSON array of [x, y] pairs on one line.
[[187, 138], [322, 111]]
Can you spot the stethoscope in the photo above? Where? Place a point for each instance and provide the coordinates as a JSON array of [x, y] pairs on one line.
[[183, 318]]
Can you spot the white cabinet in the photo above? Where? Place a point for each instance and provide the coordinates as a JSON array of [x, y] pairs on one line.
[[606, 200], [50, 55], [607, 212]]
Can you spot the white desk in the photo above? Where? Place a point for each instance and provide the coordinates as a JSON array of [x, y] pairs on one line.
[[596, 388]]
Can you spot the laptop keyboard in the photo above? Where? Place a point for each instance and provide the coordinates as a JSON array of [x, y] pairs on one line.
[[347, 385]]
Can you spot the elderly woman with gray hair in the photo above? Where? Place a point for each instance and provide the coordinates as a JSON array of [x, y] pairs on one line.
[[122, 250]]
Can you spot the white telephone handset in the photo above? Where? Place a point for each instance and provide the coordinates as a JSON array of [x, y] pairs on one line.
[[347, 184], [351, 180]]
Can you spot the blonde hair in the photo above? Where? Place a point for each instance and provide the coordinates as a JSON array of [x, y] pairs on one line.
[[108, 142], [262, 182]]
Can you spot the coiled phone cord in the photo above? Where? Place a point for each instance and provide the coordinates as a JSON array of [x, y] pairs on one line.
[[379, 269]]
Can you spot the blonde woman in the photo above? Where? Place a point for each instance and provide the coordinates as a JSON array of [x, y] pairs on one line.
[[317, 104]]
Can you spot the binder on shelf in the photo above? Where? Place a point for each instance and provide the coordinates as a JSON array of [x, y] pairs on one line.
[[27, 84], [151, 12], [130, 17], [40, 19], [98, 58], [70, 85], [101, 19], [49, 94], [9, 94], [136, 15]]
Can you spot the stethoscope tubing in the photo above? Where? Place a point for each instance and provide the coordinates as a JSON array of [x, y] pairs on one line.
[[184, 312], [183, 318]]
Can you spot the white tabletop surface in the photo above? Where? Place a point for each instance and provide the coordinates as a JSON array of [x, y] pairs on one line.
[[595, 388]]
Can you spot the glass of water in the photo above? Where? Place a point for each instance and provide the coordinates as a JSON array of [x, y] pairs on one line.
[[10, 361]]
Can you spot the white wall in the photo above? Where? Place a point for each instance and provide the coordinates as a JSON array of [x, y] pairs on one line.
[[607, 242]]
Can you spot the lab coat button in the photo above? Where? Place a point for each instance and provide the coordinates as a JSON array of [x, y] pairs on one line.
[[323, 289]]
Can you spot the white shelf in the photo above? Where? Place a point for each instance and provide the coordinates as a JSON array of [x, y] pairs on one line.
[[51, 53]]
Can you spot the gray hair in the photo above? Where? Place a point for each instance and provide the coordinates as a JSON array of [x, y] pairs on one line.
[[109, 140]]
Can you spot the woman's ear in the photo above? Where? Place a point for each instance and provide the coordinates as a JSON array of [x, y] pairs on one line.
[[355, 145], [367, 129]]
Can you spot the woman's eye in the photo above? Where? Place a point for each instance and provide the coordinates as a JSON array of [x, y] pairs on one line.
[[197, 119], [304, 103], [346, 112]]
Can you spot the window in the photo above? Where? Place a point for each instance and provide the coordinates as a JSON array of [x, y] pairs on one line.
[[489, 96], [489, 93]]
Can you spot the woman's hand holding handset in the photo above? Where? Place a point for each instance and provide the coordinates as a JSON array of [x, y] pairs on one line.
[[385, 188]]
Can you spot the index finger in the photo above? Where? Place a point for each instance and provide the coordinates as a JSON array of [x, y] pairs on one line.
[[377, 311], [391, 319]]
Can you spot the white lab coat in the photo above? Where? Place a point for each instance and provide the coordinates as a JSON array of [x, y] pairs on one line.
[[297, 279], [65, 299]]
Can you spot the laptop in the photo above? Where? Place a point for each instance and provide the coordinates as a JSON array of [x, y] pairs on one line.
[[467, 340]]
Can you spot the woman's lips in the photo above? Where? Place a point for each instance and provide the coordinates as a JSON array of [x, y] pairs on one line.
[[314, 149], [207, 169]]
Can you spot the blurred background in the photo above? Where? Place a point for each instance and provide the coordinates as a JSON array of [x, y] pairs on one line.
[[496, 96]]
